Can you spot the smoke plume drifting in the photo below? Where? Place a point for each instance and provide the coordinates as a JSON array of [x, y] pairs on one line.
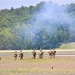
[[47, 26]]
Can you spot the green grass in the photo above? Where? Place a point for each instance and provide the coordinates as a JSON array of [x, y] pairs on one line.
[[67, 46]]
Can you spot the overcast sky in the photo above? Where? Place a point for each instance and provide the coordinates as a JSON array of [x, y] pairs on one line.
[[18, 3]]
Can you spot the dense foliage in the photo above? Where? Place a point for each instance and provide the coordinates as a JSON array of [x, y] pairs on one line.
[[21, 28]]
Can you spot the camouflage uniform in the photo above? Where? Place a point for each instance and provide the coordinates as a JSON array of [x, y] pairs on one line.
[[34, 54], [52, 53], [15, 55], [41, 54], [21, 55]]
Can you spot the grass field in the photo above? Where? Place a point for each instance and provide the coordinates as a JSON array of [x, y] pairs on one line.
[[70, 45], [28, 66]]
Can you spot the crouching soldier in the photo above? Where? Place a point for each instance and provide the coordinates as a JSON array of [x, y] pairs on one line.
[[34, 54], [15, 55], [21, 55], [41, 54]]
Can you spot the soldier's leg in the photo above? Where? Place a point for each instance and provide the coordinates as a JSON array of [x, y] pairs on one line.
[[54, 56], [14, 58], [34, 56], [42, 55], [51, 55], [21, 57]]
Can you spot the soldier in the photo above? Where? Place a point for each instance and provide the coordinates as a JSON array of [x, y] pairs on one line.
[[54, 52], [21, 55], [34, 54], [15, 55], [41, 54], [50, 53]]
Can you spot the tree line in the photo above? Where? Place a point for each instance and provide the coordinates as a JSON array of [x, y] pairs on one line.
[[20, 29]]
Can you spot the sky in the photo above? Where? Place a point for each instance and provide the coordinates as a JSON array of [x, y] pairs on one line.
[[18, 3]]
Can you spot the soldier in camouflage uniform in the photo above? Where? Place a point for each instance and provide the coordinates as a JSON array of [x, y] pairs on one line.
[[15, 55], [21, 55], [41, 54], [52, 53], [34, 54]]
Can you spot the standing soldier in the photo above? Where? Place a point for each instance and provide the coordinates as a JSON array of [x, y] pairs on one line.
[[21, 55], [15, 55], [41, 54], [34, 54], [54, 53], [50, 53]]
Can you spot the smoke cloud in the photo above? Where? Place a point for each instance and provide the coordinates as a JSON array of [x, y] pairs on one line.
[[47, 20]]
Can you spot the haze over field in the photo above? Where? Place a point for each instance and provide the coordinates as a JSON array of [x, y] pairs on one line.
[[45, 25]]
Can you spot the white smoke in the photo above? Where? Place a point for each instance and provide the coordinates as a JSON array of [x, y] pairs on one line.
[[47, 19]]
